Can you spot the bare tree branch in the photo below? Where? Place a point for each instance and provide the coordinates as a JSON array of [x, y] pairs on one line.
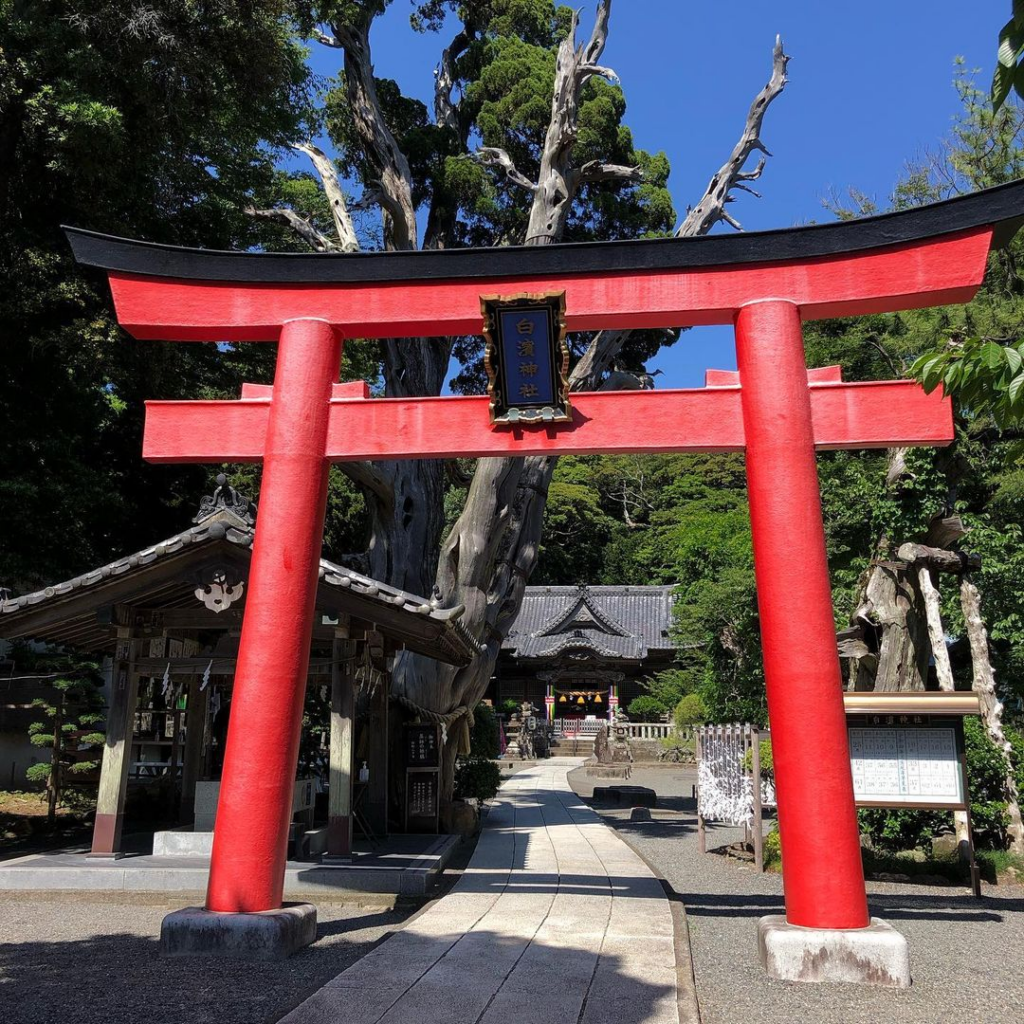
[[299, 224], [325, 38], [370, 478], [446, 111], [336, 198], [374, 194], [595, 170], [599, 36], [606, 345], [493, 156], [378, 142], [558, 180], [711, 208]]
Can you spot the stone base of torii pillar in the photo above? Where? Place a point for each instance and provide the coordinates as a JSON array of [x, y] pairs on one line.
[[876, 955], [262, 935]]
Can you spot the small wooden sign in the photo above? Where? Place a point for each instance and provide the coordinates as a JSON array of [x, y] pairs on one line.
[[422, 790], [422, 749], [526, 358]]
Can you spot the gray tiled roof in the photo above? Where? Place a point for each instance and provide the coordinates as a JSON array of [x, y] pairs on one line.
[[615, 622], [223, 526]]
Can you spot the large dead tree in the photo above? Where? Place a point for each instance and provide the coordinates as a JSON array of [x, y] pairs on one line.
[[488, 556]]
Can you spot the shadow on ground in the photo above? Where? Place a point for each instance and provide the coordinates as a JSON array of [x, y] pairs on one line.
[[104, 973]]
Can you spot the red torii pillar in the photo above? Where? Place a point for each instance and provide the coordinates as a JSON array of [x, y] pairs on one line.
[[916, 258]]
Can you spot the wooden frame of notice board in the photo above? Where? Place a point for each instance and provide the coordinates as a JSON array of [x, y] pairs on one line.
[[919, 762]]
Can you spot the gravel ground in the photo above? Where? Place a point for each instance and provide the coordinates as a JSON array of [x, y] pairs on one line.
[[93, 958], [965, 953]]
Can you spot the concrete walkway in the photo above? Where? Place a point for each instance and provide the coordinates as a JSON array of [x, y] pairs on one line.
[[556, 921]]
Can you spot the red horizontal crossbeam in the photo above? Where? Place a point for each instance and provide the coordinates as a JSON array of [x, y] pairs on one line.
[[859, 415], [910, 275]]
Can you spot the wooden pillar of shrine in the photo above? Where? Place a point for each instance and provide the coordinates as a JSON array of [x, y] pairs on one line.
[[196, 710], [377, 749], [339, 806], [117, 748]]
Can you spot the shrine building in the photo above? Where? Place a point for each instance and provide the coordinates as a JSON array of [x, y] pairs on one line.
[[579, 652], [166, 623]]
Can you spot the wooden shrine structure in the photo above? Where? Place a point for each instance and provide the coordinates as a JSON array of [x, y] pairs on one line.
[[581, 651], [170, 618], [764, 284]]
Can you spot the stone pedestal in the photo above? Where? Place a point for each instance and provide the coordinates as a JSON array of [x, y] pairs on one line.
[[876, 955], [268, 935]]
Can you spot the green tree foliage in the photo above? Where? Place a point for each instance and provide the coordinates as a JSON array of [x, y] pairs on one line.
[[1009, 73], [483, 736], [476, 778], [69, 726], [689, 711], [157, 120]]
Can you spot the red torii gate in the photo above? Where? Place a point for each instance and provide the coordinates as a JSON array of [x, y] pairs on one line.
[[765, 283]]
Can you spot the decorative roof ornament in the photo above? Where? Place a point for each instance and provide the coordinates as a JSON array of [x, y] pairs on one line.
[[226, 499], [220, 588]]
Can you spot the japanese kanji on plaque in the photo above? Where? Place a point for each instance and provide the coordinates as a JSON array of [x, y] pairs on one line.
[[526, 358]]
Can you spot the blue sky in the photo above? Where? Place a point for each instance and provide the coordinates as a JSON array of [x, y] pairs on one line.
[[869, 90]]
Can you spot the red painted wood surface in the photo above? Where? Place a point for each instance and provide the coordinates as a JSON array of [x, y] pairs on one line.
[[250, 837], [861, 415], [924, 273], [731, 378], [821, 858]]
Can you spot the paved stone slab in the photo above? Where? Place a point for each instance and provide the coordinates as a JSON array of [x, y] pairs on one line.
[[555, 921]]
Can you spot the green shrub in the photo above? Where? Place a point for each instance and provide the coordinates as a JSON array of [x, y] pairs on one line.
[[509, 707], [766, 762], [894, 830], [689, 711], [476, 777], [772, 847], [483, 736], [645, 709]]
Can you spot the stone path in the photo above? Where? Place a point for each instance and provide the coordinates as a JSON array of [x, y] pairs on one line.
[[555, 921], [965, 953]]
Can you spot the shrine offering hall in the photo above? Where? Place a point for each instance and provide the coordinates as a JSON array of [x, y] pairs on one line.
[[580, 652]]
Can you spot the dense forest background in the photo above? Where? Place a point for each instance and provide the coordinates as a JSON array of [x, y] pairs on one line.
[[94, 131]]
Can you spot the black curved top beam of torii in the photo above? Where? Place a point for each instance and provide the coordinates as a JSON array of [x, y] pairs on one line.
[[1002, 207], [923, 256]]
